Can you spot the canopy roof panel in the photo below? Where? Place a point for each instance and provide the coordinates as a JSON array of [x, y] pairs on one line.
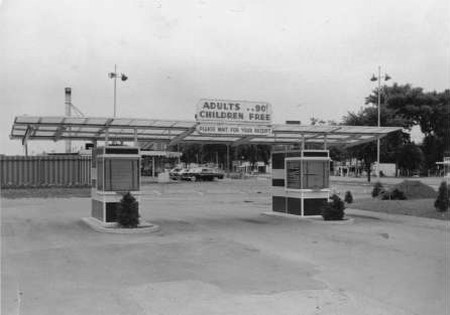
[[181, 131]]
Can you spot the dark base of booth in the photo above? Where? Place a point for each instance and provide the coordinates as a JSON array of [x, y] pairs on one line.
[[294, 205], [105, 211]]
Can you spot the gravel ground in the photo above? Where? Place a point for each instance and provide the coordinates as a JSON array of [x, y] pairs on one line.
[[216, 253]]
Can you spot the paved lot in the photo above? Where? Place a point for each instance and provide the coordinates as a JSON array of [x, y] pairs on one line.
[[217, 253]]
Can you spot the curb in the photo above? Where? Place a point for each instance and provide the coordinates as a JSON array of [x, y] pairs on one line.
[[98, 226], [401, 218], [313, 218]]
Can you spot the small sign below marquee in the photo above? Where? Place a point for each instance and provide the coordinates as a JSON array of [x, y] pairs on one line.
[[231, 129]]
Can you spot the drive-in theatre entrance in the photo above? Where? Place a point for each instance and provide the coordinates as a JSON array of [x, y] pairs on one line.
[[300, 178]]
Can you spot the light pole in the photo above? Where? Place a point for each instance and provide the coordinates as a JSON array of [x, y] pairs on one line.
[[114, 75], [373, 79]]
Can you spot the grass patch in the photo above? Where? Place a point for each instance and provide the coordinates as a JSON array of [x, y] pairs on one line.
[[46, 193], [415, 189], [418, 207]]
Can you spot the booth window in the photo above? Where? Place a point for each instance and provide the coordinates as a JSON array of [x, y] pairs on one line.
[[293, 174], [307, 174], [119, 175], [315, 174]]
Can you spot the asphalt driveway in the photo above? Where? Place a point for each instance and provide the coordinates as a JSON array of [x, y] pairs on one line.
[[217, 253]]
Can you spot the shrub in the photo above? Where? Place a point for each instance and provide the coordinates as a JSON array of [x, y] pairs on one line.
[[442, 202], [333, 210], [395, 194], [128, 212], [377, 189], [398, 194], [348, 197]]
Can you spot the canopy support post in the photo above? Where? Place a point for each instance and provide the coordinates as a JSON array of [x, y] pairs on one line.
[[153, 167], [228, 160], [106, 136], [136, 143]]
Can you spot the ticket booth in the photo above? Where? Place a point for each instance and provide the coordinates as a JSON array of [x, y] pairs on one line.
[[115, 171], [300, 181]]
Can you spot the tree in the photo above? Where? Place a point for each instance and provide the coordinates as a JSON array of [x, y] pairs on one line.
[[432, 148], [389, 145], [314, 121], [338, 153], [190, 153], [429, 110], [254, 153], [410, 158], [443, 199], [365, 153], [406, 106]]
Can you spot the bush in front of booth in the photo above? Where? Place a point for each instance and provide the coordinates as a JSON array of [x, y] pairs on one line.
[[128, 212], [377, 190], [348, 197], [333, 210]]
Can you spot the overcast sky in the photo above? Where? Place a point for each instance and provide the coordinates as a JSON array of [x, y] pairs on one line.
[[306, 58]]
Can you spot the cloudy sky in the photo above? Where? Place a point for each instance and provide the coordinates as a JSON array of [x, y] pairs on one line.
[[307, 58]]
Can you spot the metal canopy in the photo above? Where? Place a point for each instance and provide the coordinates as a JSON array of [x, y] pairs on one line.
[[181, 131]]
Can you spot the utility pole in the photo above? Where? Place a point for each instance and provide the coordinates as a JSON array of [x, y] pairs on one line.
[[68, 101], [374, 78]]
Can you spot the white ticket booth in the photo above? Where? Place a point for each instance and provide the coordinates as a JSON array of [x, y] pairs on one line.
[[115, 171], [300, 181]]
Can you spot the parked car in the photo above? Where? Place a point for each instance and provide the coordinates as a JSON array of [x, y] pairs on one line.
[[176, 173], [202, 174]]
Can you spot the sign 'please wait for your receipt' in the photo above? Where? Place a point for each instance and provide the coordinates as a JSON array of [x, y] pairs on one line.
[[238, 130]]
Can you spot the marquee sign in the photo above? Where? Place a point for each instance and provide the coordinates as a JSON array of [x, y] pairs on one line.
[[225, 111], [225, 117]]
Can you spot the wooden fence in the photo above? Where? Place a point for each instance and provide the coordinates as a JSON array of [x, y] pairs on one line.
[[45, 171]]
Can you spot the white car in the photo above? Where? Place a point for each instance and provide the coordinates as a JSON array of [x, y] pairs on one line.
[[176, 173], [202, 173]]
